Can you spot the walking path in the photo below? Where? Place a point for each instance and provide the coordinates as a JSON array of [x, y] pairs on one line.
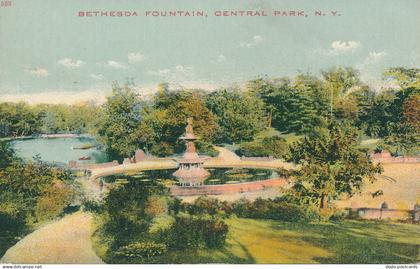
[[64, 241]]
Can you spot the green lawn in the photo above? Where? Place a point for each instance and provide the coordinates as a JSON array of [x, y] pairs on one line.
[[267, 241], [263, 241]]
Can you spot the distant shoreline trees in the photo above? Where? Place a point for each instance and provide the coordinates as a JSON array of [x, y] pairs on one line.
[[303, 105]]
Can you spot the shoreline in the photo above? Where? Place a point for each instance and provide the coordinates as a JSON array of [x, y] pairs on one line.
[[46, 136]]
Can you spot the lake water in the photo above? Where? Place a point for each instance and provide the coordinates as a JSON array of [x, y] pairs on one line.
[[59, 150]]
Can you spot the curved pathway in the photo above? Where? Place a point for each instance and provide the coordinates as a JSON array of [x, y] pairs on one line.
[[64, 241]]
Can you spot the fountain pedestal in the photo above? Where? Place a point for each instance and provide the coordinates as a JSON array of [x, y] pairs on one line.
[[190, 171]]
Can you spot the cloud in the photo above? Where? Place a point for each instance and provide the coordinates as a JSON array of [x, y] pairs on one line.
[[245, 44], [38, 72], [221, 58], [115, 65], [69, 63], [172, 73], [159, 72], [376, 56], [97, 76], [180, 68], [183, 69], [370, 68], [135, 57], [343, 46], [256, 40], [372, 58], [340, 48]]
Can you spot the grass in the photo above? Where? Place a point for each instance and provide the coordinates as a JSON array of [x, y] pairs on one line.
[[269, 241], [265, 241]]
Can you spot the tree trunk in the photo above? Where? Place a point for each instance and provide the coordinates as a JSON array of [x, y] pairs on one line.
[[324, 200]]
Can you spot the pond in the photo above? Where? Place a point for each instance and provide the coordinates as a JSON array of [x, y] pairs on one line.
[[60, 150], [217, 176]]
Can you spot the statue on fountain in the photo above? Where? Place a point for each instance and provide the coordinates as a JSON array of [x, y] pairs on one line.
[[191, 172]]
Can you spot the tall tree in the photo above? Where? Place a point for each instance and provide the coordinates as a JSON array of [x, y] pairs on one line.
[[240, 115], [330, 164], [165, 122], [296, 106], [339, 81], [411, 111], [121, 118]]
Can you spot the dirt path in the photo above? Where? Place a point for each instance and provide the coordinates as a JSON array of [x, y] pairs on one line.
[[63, 241]]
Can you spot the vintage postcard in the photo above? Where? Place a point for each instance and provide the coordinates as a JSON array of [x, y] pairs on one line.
[[209, 132]]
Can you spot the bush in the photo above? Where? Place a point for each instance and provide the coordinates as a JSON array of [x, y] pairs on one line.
[[206, 205], [53, 201], [269, 209], [197, 231], [333, 214], [312, 213], [275, 146], [91, 206], [141, 251]]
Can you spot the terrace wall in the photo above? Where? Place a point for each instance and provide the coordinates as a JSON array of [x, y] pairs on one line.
[[384, 213], [228, 188], [385, 157]]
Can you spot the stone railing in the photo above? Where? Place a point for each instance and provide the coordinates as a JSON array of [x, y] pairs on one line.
[[269, 158], [228, 188], [400, 159], [385, 213], [386, 157], [90, 166]]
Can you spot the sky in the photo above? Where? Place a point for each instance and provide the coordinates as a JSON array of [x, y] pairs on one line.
[[48, 53]]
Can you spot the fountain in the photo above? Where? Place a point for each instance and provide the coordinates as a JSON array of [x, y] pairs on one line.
[[191, 172]]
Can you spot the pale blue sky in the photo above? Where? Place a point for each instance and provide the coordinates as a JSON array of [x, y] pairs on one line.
[[45, 47]]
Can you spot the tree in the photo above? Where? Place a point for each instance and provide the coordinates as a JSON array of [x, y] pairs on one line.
[[331, 164], [165, 122], [403, 136], [274, 146], [121, 118], [292, 107], [29, 192], [363, 98], [18, 119], [312, 99], [405, 77], [239, 115], [339, 81], [7, 155], [411, 111]]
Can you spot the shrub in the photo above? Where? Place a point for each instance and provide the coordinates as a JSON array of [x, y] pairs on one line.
[[156, 205], [312, 213], [274, 146], [91, 206], [161, 224], [53, 201], [206, 205], [269, 209], [197, 231], [141, 251], [337, 215]]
